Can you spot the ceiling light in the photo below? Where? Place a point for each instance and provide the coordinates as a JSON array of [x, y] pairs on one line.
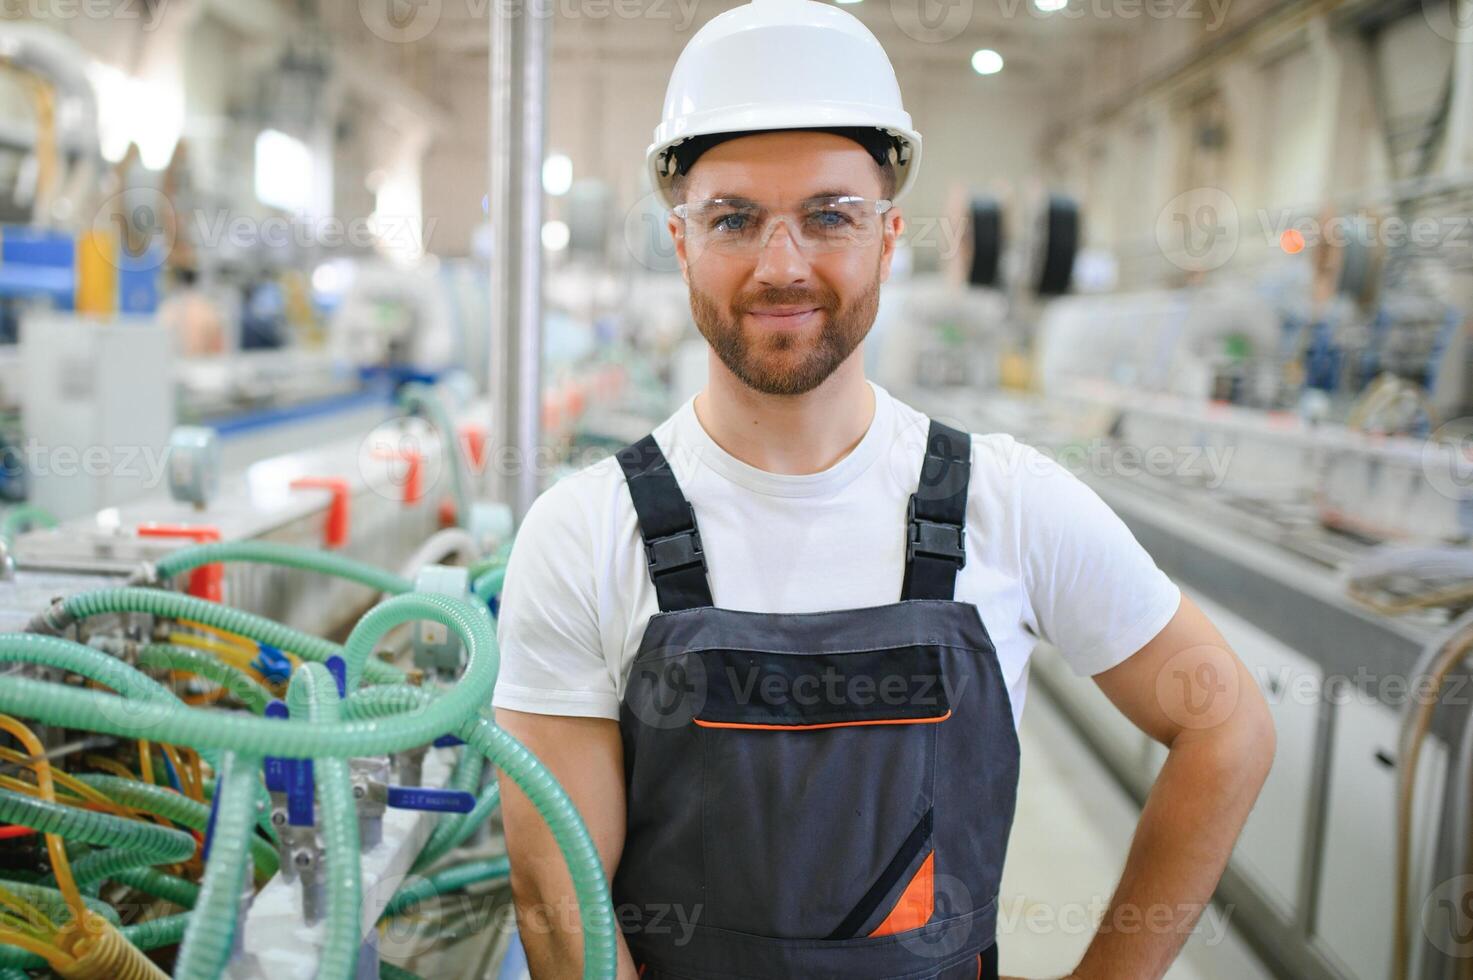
[[987, 62]]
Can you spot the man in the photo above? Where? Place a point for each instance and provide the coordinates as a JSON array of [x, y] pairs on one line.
[[788, 772]]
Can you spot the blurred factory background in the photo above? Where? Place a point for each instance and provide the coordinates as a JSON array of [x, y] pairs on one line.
[[350, 274]]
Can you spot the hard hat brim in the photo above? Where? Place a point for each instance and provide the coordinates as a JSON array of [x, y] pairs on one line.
[[797, 116]]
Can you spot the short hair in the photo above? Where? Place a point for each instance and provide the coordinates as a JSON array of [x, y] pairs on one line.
[[877, 142]]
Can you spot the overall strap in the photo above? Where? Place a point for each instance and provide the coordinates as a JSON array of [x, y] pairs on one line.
[[936, 544], [667, 522]]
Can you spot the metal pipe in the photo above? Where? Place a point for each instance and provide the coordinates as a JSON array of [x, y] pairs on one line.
[[1459, 137], [519, 41], [534, 136]]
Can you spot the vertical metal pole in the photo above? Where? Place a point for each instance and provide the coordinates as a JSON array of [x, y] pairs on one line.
[[519, 33], [534, 136]]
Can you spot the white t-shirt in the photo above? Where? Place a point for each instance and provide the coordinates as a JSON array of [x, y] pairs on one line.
[[1046, 557]]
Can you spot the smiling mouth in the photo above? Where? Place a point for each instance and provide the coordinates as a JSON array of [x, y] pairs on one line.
[[785, 316]]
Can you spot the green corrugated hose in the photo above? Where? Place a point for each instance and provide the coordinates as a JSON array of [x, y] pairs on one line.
[[451, 879], [285, 555], [211, 933], [241, 685], [313, 696]]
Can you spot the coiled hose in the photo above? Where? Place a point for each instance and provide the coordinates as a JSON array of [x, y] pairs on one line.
[[174, 605], [52, 904], [284, 555], [467, 779], [180, 724], [135, 687], [160, 885], [241, 685], [458, 833], [101, 952], [489, 584], [172, 806], [24, 516], [313, 696], [141, 844], [585, 867], [153, 934], [376, 721], [451, 879], [51, 651], [211, 932]]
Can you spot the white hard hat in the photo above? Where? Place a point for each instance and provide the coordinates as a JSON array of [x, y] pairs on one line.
[[782, 64]]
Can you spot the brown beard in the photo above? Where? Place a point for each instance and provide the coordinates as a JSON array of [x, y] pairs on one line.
[[772, 363]]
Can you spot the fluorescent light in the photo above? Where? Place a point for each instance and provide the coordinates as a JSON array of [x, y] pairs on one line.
[[557, 174], [1049, 6], [987, 62], [846, 1], [132, 110], [555, 235], [283, 171]]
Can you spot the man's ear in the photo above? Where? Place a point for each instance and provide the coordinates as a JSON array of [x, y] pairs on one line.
[[676, 228], [892, 229]]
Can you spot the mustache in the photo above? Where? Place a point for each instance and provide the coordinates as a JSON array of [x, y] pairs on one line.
[[788, 297]]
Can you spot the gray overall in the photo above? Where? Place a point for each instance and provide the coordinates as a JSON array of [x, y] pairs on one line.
[[821, 794]]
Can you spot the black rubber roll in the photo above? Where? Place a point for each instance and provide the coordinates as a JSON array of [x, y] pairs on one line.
[[1059, 246], [986, 240]]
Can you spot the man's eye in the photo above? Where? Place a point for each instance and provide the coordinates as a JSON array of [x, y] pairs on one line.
[[831, 219], [730, 222]]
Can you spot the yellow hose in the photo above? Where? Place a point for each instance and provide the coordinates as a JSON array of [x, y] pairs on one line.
[[32, 914], [186, 784], [109, 765], [225, 636], [145, 762], [55, 846], [234, 656], [58, 959], [74, 786], [102, 953]]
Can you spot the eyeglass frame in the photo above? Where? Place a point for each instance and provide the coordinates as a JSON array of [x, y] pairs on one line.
[[882, 206]]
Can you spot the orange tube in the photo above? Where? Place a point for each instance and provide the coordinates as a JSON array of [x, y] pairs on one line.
[[55, 847]]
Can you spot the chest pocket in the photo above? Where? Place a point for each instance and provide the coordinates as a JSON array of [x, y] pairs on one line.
[[819, 789]]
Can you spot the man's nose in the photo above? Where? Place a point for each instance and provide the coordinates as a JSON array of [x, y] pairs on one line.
[[779, 259]]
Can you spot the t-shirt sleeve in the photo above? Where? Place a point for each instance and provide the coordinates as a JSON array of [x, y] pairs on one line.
[[552, 660], [1092, 590]]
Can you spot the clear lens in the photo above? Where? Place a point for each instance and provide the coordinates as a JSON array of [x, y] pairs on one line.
[[825, 224]]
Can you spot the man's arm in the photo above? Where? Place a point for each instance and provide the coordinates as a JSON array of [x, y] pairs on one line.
[[1190, 692], [586, 756]]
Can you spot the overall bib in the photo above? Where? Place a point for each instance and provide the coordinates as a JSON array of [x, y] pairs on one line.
[[814, 795]]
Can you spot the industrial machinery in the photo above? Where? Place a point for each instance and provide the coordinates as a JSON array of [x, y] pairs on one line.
[[1294, 485], [245, 717]]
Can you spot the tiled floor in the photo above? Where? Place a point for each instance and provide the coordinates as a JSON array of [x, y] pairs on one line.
[[1069, 842]]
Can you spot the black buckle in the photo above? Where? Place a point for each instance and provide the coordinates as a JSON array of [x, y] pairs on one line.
[[934, 539], [675, 551]]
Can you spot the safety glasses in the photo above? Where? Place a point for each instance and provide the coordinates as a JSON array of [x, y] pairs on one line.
[[738, 226]]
